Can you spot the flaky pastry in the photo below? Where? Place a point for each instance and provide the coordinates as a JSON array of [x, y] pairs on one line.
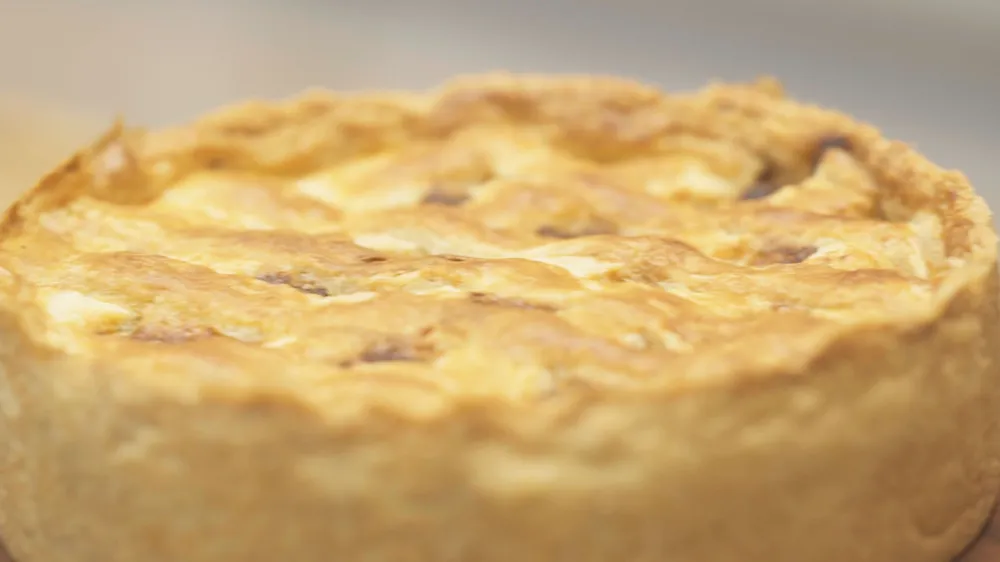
[[515, 319]]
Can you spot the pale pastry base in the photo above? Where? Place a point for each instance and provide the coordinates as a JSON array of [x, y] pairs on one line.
[[887, 449]]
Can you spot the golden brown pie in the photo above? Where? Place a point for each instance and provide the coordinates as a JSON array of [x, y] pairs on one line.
[[516, 319]]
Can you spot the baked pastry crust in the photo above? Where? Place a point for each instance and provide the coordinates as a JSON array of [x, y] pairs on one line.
[[518, 318]]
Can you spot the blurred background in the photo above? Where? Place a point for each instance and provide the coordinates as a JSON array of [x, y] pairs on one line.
[[925, 71]]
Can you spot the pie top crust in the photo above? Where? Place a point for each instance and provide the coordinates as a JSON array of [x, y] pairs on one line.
[[507, 240]]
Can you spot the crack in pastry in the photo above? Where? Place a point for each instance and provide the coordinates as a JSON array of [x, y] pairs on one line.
[[515, 318]]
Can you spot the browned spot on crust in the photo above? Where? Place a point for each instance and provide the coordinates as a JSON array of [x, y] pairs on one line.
[[282, 278], [395, 349], [389, 351], [494, 300], [594, 228], [447, 198], [172, 334], [783, 255]]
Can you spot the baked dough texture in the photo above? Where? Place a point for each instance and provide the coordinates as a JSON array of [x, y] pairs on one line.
[[515, 319]]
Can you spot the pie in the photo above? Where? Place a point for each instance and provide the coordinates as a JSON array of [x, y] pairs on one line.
[[514, 319]]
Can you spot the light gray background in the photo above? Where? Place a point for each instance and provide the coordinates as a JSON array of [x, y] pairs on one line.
[[925, 71]]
